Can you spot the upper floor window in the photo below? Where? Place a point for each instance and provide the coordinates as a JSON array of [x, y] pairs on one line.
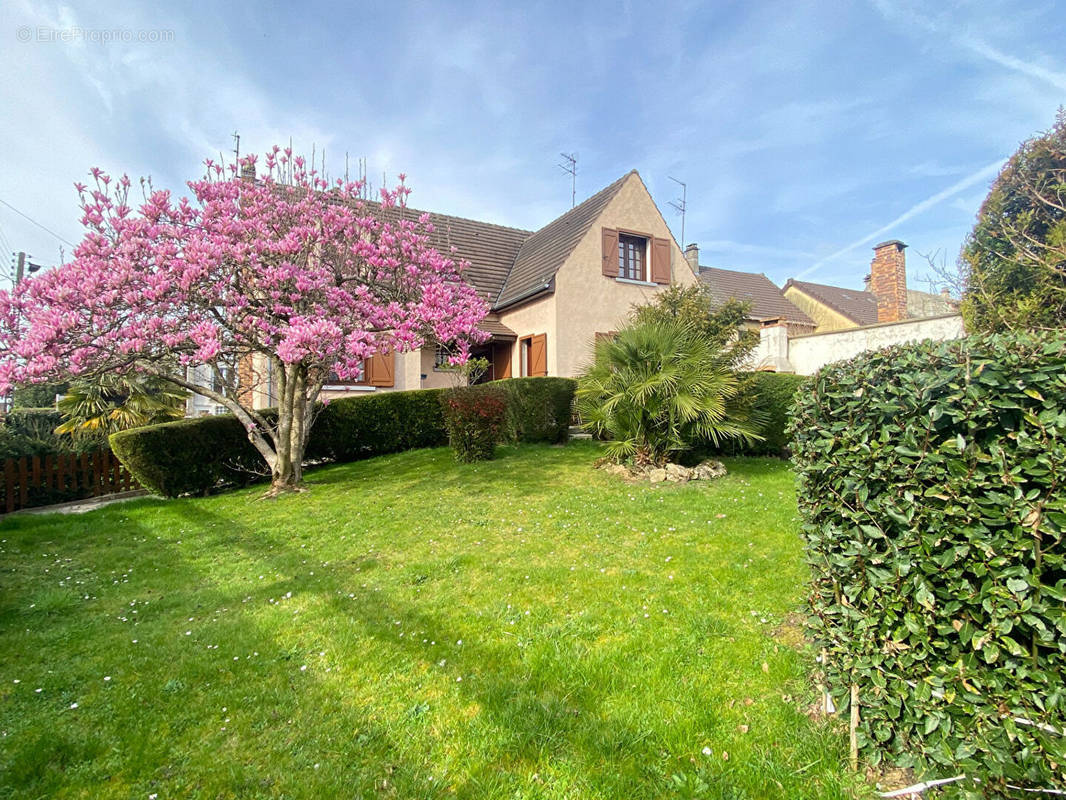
[[632, 256], [636, 257]]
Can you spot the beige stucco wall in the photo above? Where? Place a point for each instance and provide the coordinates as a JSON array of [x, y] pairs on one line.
[[532, 319], [826, 318], [435, 379], [588, 302], [808, 353]]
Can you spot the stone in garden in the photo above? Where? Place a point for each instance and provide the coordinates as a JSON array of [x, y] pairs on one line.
[[657, 475]]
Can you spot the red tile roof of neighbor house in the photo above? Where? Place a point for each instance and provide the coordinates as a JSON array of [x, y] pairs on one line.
[[767, 301], [858, 306]]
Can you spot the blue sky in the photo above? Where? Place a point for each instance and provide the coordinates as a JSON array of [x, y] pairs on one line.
[[806, 132]]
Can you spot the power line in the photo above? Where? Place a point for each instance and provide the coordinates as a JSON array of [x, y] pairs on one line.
[[35, 222], [5, 241]]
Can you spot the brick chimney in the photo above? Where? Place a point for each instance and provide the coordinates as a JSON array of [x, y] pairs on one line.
[[692, 256], [888, 281], [248, 171]]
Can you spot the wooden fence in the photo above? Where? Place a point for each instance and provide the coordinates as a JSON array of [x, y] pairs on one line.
[[43, 480]]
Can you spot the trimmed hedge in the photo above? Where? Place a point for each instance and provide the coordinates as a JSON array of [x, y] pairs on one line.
[[353, 428], [538, 409], [194, 456], [931, 489], [190, 456]]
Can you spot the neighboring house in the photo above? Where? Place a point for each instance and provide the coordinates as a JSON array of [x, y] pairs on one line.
[[550, 292], [765, 300], [886, 297], [807, 325]]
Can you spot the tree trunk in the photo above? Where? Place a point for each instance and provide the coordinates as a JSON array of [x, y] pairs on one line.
[[286, 473]]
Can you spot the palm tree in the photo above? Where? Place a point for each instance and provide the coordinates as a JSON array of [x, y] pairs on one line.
[[111, 402], [657, 389]]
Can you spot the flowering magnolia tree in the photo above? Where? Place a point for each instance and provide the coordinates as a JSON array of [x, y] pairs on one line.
[[286, 275]]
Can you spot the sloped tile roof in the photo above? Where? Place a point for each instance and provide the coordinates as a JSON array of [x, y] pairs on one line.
[[767, 301], [491, 324], [859, 307], [544, 252], [490, 249]]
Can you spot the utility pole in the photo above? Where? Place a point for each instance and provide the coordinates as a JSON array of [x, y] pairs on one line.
[[22, 266]]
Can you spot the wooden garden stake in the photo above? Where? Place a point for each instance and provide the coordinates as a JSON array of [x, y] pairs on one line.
[[853, 737]]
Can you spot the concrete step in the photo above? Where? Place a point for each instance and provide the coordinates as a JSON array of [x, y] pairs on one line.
[[577, 432]]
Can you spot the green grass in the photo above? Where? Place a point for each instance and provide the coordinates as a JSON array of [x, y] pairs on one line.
[[409, 628]]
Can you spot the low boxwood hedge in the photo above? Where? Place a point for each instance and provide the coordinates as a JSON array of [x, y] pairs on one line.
[[931, 489]]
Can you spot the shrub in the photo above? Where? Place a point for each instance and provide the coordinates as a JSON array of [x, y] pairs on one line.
[[474, 417], [31, 432], [538, 409], [770, 395], [934, 515], [191, 456], [353, 428], [657, 389]]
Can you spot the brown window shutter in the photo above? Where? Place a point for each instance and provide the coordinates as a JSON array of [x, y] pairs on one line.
[[381, 369], [610, 252], [538, 355], [660, 260]]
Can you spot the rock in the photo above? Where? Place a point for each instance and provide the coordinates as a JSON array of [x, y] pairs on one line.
[[677, 473], [657, 475], [708, 470]]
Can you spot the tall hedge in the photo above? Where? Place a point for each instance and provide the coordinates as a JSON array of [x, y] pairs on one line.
[[931, 489]]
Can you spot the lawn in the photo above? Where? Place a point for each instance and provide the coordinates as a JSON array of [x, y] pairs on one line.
[[414, 628]]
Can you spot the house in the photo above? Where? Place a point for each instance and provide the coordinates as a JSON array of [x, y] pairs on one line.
[[885, 297], [764, 299], [550, 291], [807, 325]]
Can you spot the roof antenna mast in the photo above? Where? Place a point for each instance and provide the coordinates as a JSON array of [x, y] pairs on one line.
[[570, 168], [680, 206]]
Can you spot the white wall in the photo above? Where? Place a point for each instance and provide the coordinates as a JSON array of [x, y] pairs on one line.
[[808, 353]]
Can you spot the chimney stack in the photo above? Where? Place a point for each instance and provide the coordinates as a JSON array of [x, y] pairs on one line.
[[888, 281], [248, 171], [692, 256]]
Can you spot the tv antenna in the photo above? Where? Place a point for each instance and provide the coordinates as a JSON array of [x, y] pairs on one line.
[[570, 168], [237, 146], [681, 205]]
